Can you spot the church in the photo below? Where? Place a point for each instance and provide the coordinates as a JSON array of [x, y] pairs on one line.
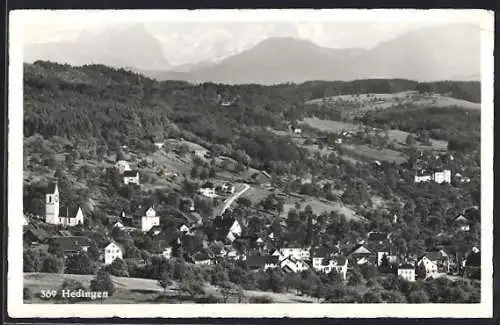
[[66, 216]]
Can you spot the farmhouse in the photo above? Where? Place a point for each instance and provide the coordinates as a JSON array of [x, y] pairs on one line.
[[462, 223], [234, 231], [292, 264], [149, 220], [440, 258], [361, 255], [427, 268], [112, 251], [472, 264], [131, 177], [122, 166], [327, 265], [437, 177], [33, 235], [406, 271], [262, 262], [71, 245], [298, 253]]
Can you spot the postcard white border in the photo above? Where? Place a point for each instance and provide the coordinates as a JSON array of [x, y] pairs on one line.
[[17, 309]]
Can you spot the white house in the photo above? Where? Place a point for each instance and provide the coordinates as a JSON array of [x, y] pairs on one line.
[[463, 223], [208, 192], [228, 188], [111, 252], [149, 220], [122, 166], [423, 178], [291, 264], [298, 253], [184, 229], [442, 177], [407, 272], [297, 131], [428, 266], [234, 231], [327, 265], [131, 177]]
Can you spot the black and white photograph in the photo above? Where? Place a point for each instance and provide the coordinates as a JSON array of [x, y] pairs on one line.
[[250, 163]]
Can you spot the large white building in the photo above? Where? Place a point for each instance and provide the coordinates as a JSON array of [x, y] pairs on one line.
[[407, 272], [122, 166], [149, 220], [296, 252], [131, 177], [111, 252], [54, 215]]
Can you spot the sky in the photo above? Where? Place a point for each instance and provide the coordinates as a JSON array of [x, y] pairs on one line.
[[219, 34]]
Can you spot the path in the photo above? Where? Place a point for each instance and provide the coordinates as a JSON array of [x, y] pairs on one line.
[[228, 202]]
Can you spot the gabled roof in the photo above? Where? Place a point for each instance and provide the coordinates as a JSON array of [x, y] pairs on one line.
[[406, 266], [40, 234], [259, 261], [69, 211], [201, 256], [130, 173], [118, 245], [72, 243], [360, 249], [436, 255], [377, 236]]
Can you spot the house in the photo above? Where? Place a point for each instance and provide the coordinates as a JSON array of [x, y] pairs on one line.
[[462, 223], [361, 255], [297, 131], [377, 237], [442, 177], [264, 262], [25, 220], [71, 245], [149, 220], [33, 235], [164, 245], [441, 259], [122, 166], [292, 264], [208, 192], [202, 258], [391, 259], [406, 271], [327, 265], [472, 264], [154, 231], [296, 252], [234, 231], [228, 188], [159, 145], [167, 253], [131, 177], [112, 251], [427, 268], [184, 229]]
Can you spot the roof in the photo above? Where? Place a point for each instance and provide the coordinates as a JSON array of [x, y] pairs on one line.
[[320, 252], [39, 233], [113, 242], [130, 173], [72, 243], [436, 255], [68, 211], [201, 256], [473, 259], [406, 266], [261, 260], [360, 249], [377, 236]]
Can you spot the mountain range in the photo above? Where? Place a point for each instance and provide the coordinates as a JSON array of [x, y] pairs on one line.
[[449, 52]]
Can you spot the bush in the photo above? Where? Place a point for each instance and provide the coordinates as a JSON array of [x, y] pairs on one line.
[[102, 283], [260, 300]]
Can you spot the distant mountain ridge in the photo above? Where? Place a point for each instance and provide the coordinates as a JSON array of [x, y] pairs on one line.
[[435, 53]]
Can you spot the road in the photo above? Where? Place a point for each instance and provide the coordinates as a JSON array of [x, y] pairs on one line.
[[227, 203]]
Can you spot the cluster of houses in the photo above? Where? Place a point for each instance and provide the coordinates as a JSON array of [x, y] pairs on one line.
[[262, 253], [130, 176], [439, 177], [210, 190]]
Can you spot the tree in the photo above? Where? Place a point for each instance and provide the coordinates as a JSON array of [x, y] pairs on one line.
[[80, 264], [118, 268], [194, 172], [418, 297], [192, 287], [410, 140], [372, 297], [52, 264], [102, 283], [164, 281], [227, 289]]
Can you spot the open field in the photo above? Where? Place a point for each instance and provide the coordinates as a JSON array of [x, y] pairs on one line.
[[364, 152], [396, 135], [319, 206], [357, 104], [135, 290]]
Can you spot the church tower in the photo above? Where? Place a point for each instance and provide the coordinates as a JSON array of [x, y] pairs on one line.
[[52, 205]]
